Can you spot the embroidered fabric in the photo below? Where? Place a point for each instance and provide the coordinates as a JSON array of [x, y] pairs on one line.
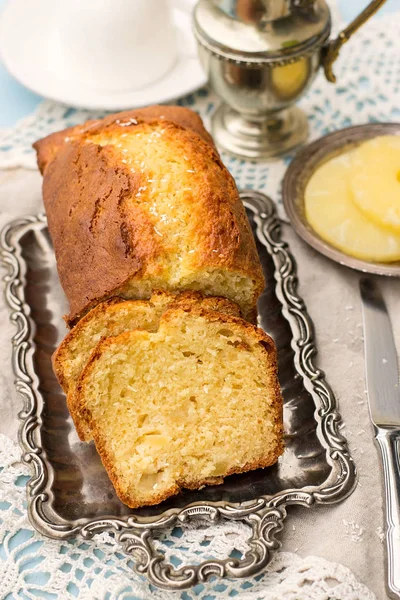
[[368, 90], [32, 566]]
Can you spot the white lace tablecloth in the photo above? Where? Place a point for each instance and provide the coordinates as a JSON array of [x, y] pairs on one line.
[[328, 551]]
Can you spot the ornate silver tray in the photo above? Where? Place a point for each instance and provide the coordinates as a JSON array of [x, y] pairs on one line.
[[69, 493]]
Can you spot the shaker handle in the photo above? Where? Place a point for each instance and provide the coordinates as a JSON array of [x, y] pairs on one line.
[[389, 444], [330, 51]]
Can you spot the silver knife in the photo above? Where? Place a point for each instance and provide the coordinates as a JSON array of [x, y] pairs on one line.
[[382, 375]]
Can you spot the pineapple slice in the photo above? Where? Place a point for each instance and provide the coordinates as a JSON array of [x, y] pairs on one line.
[[375, 180], [331, 212]]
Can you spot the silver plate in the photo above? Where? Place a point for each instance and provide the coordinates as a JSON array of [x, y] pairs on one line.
[[298, 175], [69, 492]]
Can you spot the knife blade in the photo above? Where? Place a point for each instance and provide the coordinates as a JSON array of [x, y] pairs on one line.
[[382, 376], [382, 371]]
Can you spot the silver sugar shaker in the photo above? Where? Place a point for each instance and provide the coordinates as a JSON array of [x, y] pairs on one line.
[[260, 57]]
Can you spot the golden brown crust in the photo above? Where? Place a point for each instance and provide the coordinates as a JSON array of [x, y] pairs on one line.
[[48, 147], [84, 189], [268, 351], [111, 239]]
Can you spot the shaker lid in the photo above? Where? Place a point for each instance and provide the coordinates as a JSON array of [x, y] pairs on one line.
[[261, 30]]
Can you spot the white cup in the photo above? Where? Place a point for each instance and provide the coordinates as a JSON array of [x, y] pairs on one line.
[[113, 45]]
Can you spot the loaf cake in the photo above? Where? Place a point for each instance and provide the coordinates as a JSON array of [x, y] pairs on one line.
[[163, 367], [110, 318], [184, 406], [140, 201]]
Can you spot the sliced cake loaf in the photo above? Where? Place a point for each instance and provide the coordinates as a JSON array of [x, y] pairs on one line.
[[174, 387], [184, 406], [110, 318]]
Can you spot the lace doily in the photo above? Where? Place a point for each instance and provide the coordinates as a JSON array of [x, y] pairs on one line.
[[368, 89], [32, 566]]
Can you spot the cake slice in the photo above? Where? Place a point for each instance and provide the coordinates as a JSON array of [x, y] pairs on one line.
[[110, 318], [184, 406]]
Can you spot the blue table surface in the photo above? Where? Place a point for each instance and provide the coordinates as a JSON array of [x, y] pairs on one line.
[[16, 101]]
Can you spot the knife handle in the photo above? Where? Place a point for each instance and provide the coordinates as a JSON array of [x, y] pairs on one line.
[[388, 441]]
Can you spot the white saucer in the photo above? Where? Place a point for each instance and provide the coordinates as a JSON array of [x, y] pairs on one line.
[[24, 51]]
